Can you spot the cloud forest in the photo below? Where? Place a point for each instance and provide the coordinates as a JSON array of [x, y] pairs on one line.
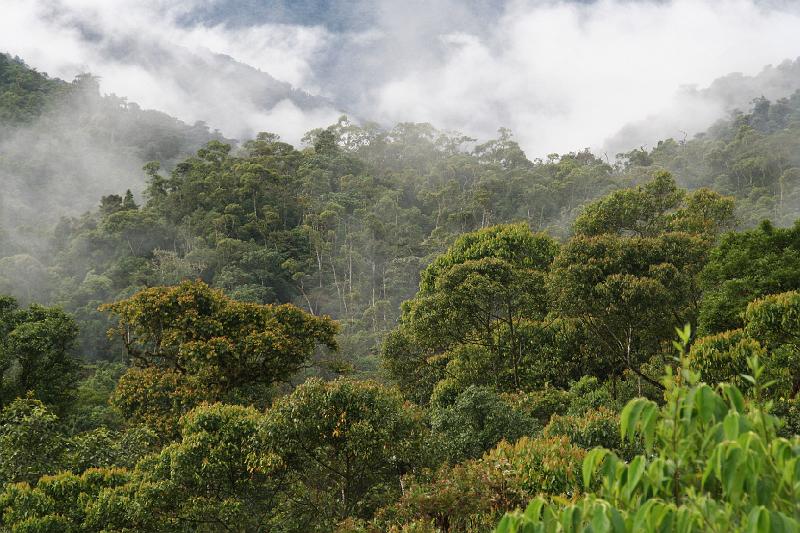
[[274, 298]]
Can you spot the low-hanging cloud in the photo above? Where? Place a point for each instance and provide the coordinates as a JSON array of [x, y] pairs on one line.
[[561, 75]]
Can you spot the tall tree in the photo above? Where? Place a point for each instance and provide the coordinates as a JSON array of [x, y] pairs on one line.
[[481, 293], [194, 329]]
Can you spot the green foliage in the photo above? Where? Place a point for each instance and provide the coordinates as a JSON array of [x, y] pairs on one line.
[[643, 211], [105, 448], [33, 443], [414, 368], [481, 304], [348, 444], [157, 398], [218, 476], [788, 409], [91, 406], [60, 503], [589, 393], [774, 319], [475, 422], [344, 227], [743, 267], [596, 427], [196, 330], [514, 244], [343, 230], [628, 291], [505, 330], [771, 332], [193, 344], [30, 443], [723, 357], [713, 461], [541, 404], [36, 354], [657, 207], [24, 93], [470, 497]]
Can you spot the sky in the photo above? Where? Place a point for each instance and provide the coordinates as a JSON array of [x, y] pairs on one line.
[[561, 75]]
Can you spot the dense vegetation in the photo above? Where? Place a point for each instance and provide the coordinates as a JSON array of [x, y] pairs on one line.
[[404, 330]]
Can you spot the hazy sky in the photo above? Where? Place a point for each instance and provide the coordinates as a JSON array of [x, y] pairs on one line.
[[561, 75]]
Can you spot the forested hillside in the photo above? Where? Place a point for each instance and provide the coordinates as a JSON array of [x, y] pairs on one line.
[[343, 226], [63, 144], [397, 329]]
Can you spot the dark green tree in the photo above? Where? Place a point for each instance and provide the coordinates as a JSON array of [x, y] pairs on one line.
[[36, 354], [743, 267], [347, 444]]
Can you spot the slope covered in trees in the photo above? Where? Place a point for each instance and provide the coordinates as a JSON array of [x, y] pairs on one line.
[[344, 226], [62, 145], [405, 330]]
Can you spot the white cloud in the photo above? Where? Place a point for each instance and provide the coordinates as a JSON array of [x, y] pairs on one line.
[[140, 51], [280, 49], [565, 76], [562, 75]]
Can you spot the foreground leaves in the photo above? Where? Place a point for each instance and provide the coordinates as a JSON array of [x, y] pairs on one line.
[[713, 462]]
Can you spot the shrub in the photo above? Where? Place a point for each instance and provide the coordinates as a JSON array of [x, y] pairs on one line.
[[57, 503], [477, 420], [540, 404], [596, 427], [469, 497], [30, 443], [589, 393], [723, 357]]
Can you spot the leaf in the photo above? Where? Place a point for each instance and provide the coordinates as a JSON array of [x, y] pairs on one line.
[[758, 521], [731, 425], [630, 416], [734, 396], [534, 510], [591, 462], [600, 522], [571, 518], [684, 334], [635, 472], [506, 525]]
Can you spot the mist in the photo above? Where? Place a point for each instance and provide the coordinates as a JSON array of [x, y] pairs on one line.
[[561, 75], [82, 147]]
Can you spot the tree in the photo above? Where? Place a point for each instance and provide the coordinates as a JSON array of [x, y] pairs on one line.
[[30, 443], [33, 443], [36, 354], [475, 422], [480, 292], [743, 267], [415, 369], [642, 211], [629, 292], [471, 496], [218, 476], [347, 444], [656, 207], [771, 331], [196, 331], [158, 398], [63, 502]]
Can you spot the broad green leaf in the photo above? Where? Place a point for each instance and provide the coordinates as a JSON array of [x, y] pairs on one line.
[[590, 463]]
